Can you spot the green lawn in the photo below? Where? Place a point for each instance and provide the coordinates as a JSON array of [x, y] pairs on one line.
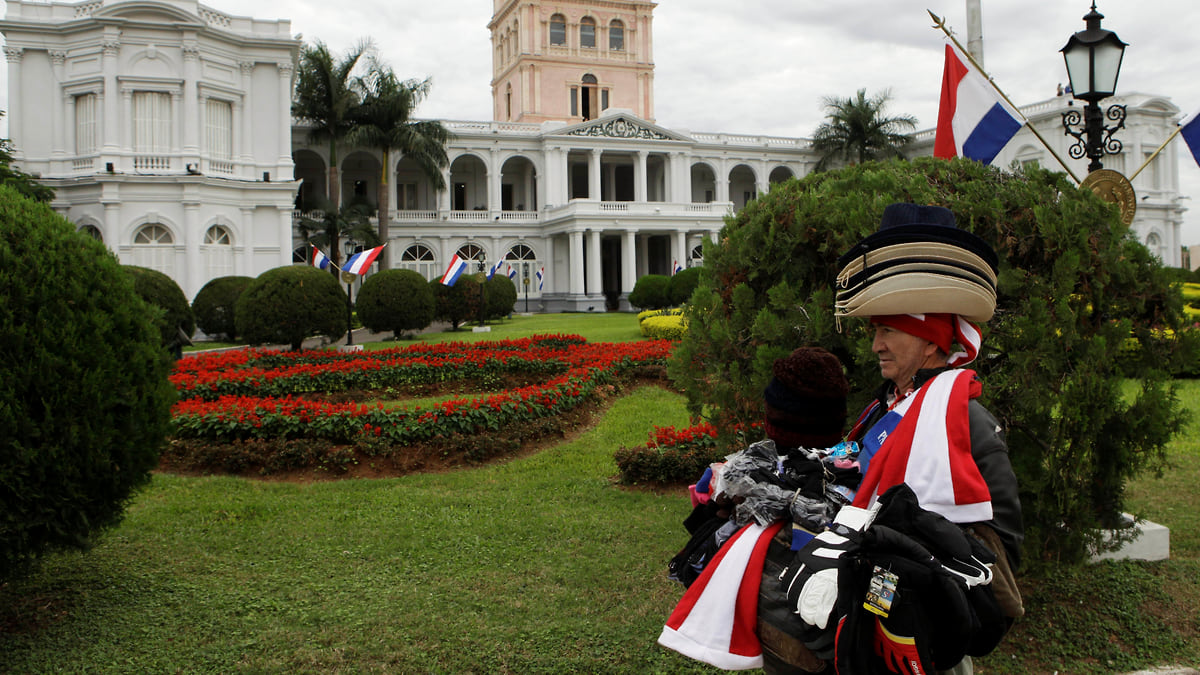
[[535, 565]]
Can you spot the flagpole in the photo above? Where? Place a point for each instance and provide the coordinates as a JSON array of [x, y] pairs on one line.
[[939, 22], [1160, 149]]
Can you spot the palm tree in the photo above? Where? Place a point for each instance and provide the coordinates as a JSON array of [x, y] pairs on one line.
[[384, 121], [325, 97], [857, 130], [326, 232]]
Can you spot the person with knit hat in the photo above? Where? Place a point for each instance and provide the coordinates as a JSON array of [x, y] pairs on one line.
[[925, 286]]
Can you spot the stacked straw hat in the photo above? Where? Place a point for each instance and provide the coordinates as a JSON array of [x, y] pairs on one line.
[[919, 261]]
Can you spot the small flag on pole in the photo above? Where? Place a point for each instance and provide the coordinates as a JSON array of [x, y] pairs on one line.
[[541, 277], [319, 259], [676, 268], [492, 270], [512, 272], [359, 262], [1189, 128], [454, 271], [974, 120]]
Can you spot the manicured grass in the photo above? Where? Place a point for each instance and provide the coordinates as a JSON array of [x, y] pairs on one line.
[[539, 564], [596, 327]]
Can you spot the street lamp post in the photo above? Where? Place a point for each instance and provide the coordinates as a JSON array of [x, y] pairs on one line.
[[525, 281], [482, 298], [349, 279], [1093, 58]]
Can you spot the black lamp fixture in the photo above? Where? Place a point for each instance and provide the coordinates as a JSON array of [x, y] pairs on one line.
[[1093, 58], [349, 247]]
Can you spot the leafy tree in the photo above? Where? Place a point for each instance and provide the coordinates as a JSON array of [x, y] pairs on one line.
[[22, 182], [681, 285], [396, 300], [457, 304], [651, 292], [858, 130], [500, 294], [214, 305], [325, 98], [84, 397], [288, 304], [1074, 286], [175, 321], [385, 121]]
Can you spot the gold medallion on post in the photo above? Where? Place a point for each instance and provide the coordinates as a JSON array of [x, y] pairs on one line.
[[1115, 188], [348, 277]]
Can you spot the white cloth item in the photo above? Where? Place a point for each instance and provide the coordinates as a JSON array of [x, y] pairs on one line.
[[818, 597]]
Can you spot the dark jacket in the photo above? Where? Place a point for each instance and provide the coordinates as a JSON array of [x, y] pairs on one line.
[[991, 456]]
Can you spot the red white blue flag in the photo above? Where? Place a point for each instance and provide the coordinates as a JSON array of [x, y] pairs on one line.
[[319, 259], [974, 120], [541, 277], [492, 270], [1191, 133], [512, 272], [454, 271], [359, 262], [676, 268]]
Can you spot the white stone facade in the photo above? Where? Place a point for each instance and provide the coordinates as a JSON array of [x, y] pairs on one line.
[[165, 128]]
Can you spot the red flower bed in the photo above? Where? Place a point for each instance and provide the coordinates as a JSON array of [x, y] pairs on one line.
[[253, 394]]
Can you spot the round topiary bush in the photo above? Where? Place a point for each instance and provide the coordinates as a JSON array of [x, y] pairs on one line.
[[84, 396], [1074, 286], [679, 289], [285, 305], [650, 292], [456, 304], [501, 295], [395, 300], [214, 305], [160, 290]]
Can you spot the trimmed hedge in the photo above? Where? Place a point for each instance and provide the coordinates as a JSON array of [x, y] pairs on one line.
[[161, 291], [84, 395], [651, 292], [397, 301], [285, 305], [665, 327], [214, 305]]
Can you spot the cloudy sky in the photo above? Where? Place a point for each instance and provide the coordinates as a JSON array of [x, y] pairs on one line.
[[764, 66]]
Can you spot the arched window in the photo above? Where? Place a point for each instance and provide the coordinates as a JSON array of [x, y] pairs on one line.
[[616, 35], [474, 256], [217, 252], [154, 247], [558, 30], [93, 232], [697, 256], [587, 32], [420, 259], [523, 264], [1154, 243]]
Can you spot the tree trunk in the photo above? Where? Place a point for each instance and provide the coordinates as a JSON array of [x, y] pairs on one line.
[[384, 198]]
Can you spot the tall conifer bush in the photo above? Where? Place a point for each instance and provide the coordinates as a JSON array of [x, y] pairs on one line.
[[84, 396], [1075, 286]]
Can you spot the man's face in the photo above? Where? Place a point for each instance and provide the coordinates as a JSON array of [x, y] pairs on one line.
[[901, 354]]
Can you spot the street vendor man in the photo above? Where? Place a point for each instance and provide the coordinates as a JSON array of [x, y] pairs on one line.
[[925, 286]]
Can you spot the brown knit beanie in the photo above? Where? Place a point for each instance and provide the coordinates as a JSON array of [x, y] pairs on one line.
[[806, 400]]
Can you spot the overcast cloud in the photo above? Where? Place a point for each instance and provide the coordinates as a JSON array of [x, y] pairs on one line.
[[764, 66]]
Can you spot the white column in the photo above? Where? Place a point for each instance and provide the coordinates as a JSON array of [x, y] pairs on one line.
[[629, 262], [680, 241], [551, 280], [191, 111], [14, 56], [595, 285], [125, 132], [58, 147], [192, 236], [285, 234], [177, 117], [575, 263], [285, 119], [761, 180], [243, 150], [495, 204], [245, 262], [444, 242], [643, 260], [68, 104], [722, 179], [111, 98], [112, 226], [639, 176], [594, 175]]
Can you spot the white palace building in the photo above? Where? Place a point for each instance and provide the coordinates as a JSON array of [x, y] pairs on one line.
[[165, 128]]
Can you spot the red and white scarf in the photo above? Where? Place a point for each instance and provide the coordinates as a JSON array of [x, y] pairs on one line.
[[716, 621], [942, 473]]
